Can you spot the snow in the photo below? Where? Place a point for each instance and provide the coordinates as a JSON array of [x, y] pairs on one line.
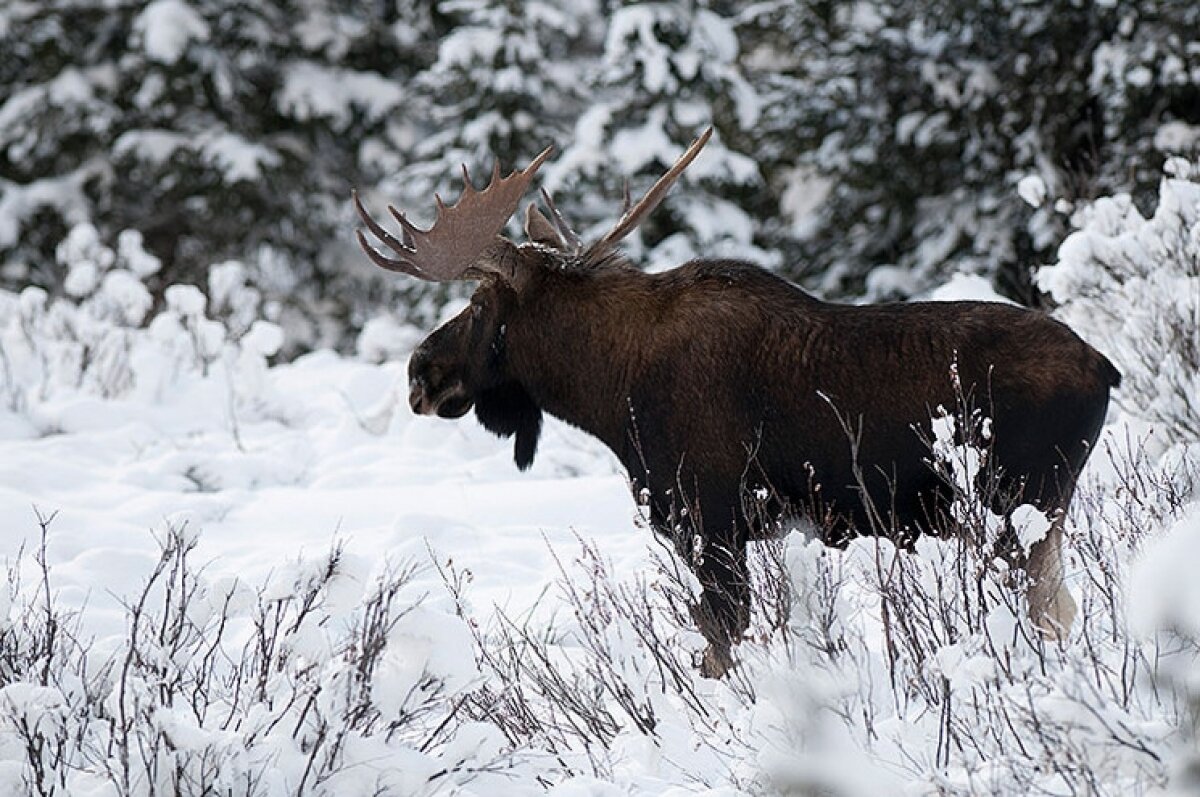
[[68, 88], [18, 202], [259, 487], [134, 256], [81, 279], [635, 147], [1177, 137], [237, 158], [263, 339], [126, 295], [1032, 189], [167, 27], [803, 198], [312, 91], [384, 338], [466, 45], [631, 35], [1165, 592], [187, 300], [1030, 525], [718, 35], [155, 146], [966, 287]]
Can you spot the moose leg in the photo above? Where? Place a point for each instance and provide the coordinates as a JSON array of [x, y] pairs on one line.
[[723, 613], [1051, 607]]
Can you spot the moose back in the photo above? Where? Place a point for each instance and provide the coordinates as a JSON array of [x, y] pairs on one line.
[[718, 378]]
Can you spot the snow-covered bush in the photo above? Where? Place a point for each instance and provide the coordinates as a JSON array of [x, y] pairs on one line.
[[104, 339], [877, 668], [328, 679], [1131, 285], [867, 670]]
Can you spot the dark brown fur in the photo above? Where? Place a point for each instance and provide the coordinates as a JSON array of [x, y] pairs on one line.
[[717, 376]]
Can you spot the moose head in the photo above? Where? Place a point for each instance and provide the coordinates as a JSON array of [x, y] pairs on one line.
[[465, 362]]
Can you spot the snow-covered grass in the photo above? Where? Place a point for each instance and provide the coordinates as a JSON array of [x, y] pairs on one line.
[[228, 576]]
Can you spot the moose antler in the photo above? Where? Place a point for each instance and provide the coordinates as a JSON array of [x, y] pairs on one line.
[[450, 249], [633, 216]]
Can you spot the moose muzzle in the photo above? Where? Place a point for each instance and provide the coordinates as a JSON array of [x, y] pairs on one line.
[[453, 401]]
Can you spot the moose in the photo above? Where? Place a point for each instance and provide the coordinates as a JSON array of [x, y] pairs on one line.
[[719, 378]]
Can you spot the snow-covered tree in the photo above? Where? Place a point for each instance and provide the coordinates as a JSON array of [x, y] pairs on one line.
[[501, 87], [216, 128], [1146, 78], [668, 71], [864, 148], [909, 126]]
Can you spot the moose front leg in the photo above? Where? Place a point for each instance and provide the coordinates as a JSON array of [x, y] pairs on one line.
[[716, 553], [723, 614]]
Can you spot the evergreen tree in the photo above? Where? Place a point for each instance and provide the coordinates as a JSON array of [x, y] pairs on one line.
[[502, 87], [1146, 79], [217, 128], [876, 146], [668, 71], [908, 128]]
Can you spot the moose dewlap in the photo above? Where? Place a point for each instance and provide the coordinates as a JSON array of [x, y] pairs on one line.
[[734, 398]]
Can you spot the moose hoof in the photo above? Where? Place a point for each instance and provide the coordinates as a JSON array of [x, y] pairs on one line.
[[716, 662]]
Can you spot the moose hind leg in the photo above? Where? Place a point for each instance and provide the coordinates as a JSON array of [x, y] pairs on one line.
[[1051, 607]]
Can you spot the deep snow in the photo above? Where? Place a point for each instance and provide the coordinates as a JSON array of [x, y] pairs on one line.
[[115, 472]]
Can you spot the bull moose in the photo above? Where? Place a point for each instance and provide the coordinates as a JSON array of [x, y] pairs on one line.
[[717, 377]]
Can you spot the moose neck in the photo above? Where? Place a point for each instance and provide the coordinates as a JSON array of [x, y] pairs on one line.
[[579, 343]]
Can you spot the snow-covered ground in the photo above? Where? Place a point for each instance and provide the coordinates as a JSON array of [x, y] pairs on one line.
[[338, 457], [540, 641]]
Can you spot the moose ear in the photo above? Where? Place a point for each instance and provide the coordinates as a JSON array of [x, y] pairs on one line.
[[553, 230], [508, 410], [539, 230]]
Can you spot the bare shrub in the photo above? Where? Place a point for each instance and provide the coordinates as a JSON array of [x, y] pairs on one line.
[[869, 666], [865, 668], [218, 688]]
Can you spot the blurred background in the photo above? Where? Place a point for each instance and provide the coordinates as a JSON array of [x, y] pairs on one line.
[[866, 149]]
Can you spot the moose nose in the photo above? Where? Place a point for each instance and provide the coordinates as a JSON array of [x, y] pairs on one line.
[[416, 396]]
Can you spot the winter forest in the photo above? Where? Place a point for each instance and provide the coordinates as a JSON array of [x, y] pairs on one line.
[[236, 563]]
